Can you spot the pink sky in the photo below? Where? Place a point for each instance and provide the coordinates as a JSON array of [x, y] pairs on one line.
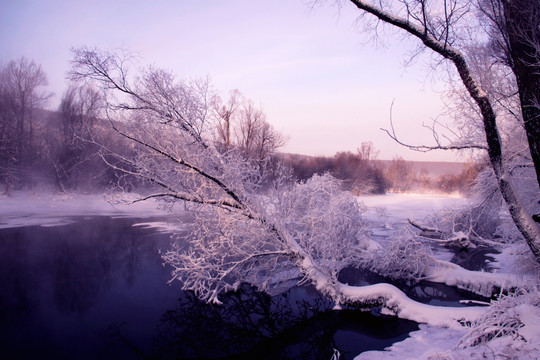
[[318, 79]]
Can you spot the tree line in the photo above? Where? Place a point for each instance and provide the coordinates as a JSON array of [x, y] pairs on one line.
[[67, 148], [70, 148], [363, 173], [39, 146]]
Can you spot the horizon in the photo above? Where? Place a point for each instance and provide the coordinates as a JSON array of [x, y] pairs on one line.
[[380, 159]]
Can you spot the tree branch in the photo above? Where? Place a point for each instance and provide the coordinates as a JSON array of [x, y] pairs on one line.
[[425, 148], [523, 220]]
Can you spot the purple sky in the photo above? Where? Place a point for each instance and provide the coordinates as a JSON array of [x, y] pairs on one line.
[[315, 75]]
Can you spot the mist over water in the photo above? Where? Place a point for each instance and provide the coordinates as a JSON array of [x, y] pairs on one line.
[[63, 285]]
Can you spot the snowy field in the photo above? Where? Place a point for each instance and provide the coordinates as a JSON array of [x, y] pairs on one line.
[[399, 207]]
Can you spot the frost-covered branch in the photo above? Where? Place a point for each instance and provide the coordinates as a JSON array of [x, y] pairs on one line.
[[426, 148], [410, 24], [506, 317], [394, 302], [406, 258], [288, 234]]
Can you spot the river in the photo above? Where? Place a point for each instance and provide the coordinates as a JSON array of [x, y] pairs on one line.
[[94, 287]]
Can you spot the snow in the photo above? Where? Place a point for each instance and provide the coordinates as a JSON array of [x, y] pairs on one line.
[[433, 342], [162, 226], [388, 213], [530, 316], [398, 303], [429, 341], [400, 207], [48, 209], [441, 342], [518, 259], [484, 282]]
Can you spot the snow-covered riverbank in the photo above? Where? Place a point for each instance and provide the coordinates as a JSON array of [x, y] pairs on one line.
[[48, 209], [387, 213], [399, 207]]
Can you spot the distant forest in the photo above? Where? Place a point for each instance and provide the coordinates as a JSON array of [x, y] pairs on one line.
[[68, 156], [363, 173], [69, 149]]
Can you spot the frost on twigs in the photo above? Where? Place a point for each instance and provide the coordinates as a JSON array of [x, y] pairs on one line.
[[484, 221], [224, 249], [402, 258], [245, 229], [514, 316], [465, 227], [326, 221]]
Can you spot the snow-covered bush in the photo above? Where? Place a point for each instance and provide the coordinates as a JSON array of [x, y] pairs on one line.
[[476, 220], [326, 221], [480, 218], [486, 220], [518, 259], [403, 258], [224, 249], [220, 252], [488, 201], [515, 317]]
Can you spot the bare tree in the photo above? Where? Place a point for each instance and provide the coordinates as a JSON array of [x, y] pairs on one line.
[[226, 112], [256, 138], [80, 108], [399, 173], [301, 232], [243, 127], [79, 111], [20, 82], [439, 26], [360, 172]]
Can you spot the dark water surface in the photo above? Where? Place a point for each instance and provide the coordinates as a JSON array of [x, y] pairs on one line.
[[97, 289]]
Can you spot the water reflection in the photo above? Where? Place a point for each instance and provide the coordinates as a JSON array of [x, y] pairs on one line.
[[62, 285], [298, 324], [477, 259], [96, 289]]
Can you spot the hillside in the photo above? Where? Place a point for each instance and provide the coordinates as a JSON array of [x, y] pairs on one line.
[[361, 174], [433, 169]]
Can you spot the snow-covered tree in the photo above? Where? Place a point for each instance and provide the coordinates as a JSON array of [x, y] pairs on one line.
[[287, 234], [72, 149]]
